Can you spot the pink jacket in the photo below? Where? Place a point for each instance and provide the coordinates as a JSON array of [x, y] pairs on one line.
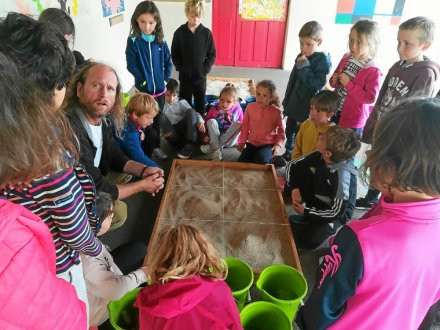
[[362, 93], [31, 296], [401, 251], [193, 303], [262, 126]]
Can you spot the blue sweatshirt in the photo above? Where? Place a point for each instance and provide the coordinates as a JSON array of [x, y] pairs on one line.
[[150, 64]]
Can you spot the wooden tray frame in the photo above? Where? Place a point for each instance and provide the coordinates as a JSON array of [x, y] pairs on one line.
[[248, 166]]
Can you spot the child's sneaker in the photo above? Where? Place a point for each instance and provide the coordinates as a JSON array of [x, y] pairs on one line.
[[186, 151], [216, 155], [205, 149], [158, 153]]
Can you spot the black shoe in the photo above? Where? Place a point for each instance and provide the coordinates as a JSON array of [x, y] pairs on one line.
[[363, 203], [186, 151], [279, 161], [287, 156]]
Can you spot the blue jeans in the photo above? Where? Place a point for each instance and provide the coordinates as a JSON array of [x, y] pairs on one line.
[[253, 154], [292, 128]]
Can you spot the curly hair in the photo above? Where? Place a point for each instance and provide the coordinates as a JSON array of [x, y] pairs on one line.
[[405, 152], [34, 137], [42, 54], [71, 99], [146, 7], [183, 251]]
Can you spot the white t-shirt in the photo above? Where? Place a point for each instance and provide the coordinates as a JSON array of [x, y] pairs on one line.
[[97, 142]]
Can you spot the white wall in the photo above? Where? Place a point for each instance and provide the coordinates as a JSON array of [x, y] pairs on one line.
[[336, 35]]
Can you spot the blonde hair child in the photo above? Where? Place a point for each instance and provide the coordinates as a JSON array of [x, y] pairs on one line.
[[223, 123], [188, 280], [357, 77], [262, 130]]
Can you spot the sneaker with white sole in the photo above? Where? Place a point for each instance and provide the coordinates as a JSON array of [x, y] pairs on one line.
[[158, 152], [205, 149], [186, 151], [216, 155]]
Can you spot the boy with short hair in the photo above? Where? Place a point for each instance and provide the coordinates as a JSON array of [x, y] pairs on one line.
[[323, 187], [308, 77], [193, 53], [322, 108], [180, 121], [413, 75]]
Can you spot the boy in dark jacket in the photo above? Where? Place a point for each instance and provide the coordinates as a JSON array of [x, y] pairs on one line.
[[307, 78], [193, 54], [323, 187]]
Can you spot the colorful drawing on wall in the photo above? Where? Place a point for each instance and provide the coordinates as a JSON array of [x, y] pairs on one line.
[[112, 7], [350, 11], [263, 10]]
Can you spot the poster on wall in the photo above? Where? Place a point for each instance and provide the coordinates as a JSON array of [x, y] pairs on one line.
[[35, 7], [263, 10], [112, 7], [350, 11]]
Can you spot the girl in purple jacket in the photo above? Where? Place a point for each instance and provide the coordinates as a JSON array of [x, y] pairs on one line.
[[188, 290], [382, 272], [357, 78]]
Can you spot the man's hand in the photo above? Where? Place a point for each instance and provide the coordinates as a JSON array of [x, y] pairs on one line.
[[296, 196], [201, 127], [152, 183], [152, 170]]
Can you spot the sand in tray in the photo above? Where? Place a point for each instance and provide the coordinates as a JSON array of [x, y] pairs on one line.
[[260, 245], [198, 176], [249, 179]]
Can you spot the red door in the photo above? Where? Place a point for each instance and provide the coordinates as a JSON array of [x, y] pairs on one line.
[[246, 42]]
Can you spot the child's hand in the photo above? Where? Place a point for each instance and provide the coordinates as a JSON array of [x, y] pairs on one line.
[[344, 78], [334, 78], [275, 149], [201, 127], [296, 196], [298, 207], [240, 147], [301, 58]]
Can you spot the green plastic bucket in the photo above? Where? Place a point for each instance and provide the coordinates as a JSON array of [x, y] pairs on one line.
[[122, 314], [264, 315], [284, 286], [240, 278]]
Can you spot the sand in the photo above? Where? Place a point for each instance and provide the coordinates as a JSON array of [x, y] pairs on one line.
[[239, 210]]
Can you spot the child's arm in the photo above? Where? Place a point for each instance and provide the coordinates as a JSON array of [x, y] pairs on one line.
[[131, 55], [132, 147], [341, 271], [334, 79], [244, 128], [210, 54], [281, 136], [366, 94], [295, 167], [168, 64], [314, 77], [175, 51], [424, 85]]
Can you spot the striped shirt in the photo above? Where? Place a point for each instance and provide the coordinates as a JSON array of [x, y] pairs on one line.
[[64, 201]]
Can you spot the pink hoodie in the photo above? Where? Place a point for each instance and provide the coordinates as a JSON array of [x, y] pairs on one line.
[[400, 245], [362, 93], [31, 296], [193, 303]]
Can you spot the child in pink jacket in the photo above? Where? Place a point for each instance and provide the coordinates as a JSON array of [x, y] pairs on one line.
[[357, 78], [382, 272], [188, 290], [262, 130]]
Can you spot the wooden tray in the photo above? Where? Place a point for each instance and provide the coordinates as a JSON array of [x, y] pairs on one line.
[[238, 206]]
